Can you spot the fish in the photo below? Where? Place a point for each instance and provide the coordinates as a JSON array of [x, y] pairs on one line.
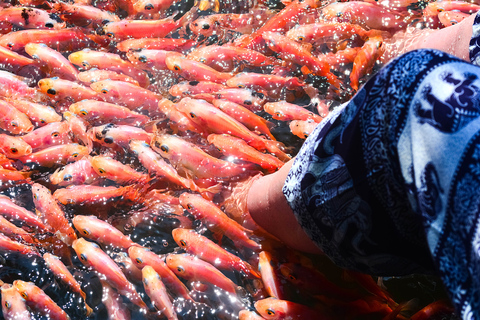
[[12, 211], [99, 113], [114, 304], [52, 62], [191, 88], [268, 267], [194, 162], [52, 134], [39, 300], [12, 61], [9, 178], [250, 99], [39, 114], [207, 250], [157, 292], [449, 18], [217, 221], [61, 272], [60, 89], [92, 256], [116, 171], [50, 212], [137, 29], [365, 59], [177, 121], [102, 232], [111, 134], [130, 270], [14, 147], [143, 257], [12, 231], [13, 304], [88, 59], [55, 155], [93, 75], [31, 18], [75, 173], [13, 120], [318, 33], [149, 59], [78, 128], [302, 128], [13, 86], [168, 44], [88, 194], [264, 81], [272, 308], [285, 111], [84, 15], [195, 71], [249, 315], [149, 8], [249, 119], [194, 269], [6, 244]]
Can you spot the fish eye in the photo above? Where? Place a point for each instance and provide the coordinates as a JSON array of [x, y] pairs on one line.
[[279, 114], [13, 150], [192, 115], [203, 60], [10, 45], [339, 14], [52, 91], [177, 68], [139, 260], [14, 124], [48, 25], [83, 112], [149, 6], [180, 269], [270, 312], [247, 102], [43, 121], [301, 38], [24, 295], [206, 26], [83, 257], [379, 44], [108, 140], [189, 207], [85, 64], [183, 243], [67, 177], [101, 170], [86, 232], [219, 149], [165, 243], [110, 34], [104, 91], [35, 196], [8, 305], [241, 86], [145, 281], [75, 154], [55, 134], [35, 57], [164, 148], [292, 277], [142, 59]]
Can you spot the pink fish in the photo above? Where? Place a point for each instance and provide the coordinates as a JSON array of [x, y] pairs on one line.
[[52, 62], [13, 120], [157, 292]]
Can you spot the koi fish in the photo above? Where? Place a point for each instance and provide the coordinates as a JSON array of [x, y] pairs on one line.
[[84, 15], [216, 121], [143, 257], [55, 133], [48, 209], [78, 127], [316, 33], [13, 120], [99, 113], [137, 29], [264, 81], [272, 308], [11, 211], [178, 121], [207, 250], [31, 18], [366, 58], [191, 88], [13, 147], [270, 275], [112, 134], [147, 8], [60, 89], [168, 44], [12, 61], [94, 75], [114, 303], [9, 229], [9, 178], [39, 300], [78, 172], [157, 292], [128, 267], [92, 256], [13, 304], [55, 155], [217, 221], [6, 244], [245, 116], [302, 128], [61, 272], [38, 114], [195, 71], [88, 59], [193, 269], [250, 99], [234, 147], [128, 95], [188, 158], [14, 86], [286, 111], [293, 51], [52, 62], [87, 194], [340, 58], [153, 60], [101, 231], [116, 171]]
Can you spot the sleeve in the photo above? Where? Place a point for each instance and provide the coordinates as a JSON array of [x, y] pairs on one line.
[[389, 184]]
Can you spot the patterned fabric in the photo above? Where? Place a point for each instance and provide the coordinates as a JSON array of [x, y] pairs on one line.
[[389, 183]]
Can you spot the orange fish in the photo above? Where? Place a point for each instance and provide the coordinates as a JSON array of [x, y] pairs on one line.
[[14, 86], [49, 210], [84, 15], [78, 172], [302, 128], [92, 256], [39, 114], [52, 62], [285, 111], [195, 71], [149, 59], [12, 120], [13, 304], [60, 89], [116, 171], [272, 308], [30, 18], [365, 60], [268, 268], [137, 29], [209, 251], [11, 211], [55, 155], [55, 133], [114, 304], [190, 88], [87, 194], [168, 44], [111, 134], [157, 292], [94, 75], [13, 147], [6, 244], [9, 229], [193, 269]]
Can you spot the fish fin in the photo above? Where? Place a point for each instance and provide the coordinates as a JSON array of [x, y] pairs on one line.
[[305, 70]]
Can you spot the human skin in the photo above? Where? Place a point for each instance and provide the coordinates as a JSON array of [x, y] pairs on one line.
[[266, 202]]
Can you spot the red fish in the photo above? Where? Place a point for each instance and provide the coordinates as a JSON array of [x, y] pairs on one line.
[[194, 269], [302, 128], [38, 114], [39, 300], [116, 171], [264, 81], [365, 60], [13, 120], [137, 29], [286, 111], [94, 75], [52, 62], [30, 18], [55, 133], [9, 229], [191, 88], [12, 61], [78, 127], [78, 172], [168, 44], [84, 15], [55, 155], [143, 257], [15, 86], [195, 71], [87, 194], [60, 89], [270, 276], [120, 135], [6, 244], [153, 60], [13, 304], [92, 256], [272, 308], [209, 251], [11, 211], [49, 210], [157, 292], [13, 147], [114, 303]]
